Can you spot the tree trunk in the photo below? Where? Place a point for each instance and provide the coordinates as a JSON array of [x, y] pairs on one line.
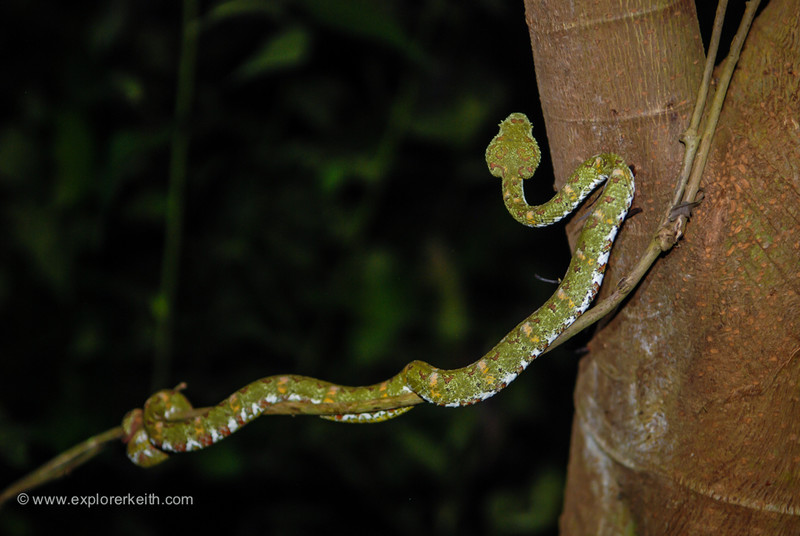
[[686, 407]]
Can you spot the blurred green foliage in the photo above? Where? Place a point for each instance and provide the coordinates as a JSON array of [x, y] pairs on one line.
[[339, 223]]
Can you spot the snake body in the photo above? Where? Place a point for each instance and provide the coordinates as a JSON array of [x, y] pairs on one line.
[[513, 156]]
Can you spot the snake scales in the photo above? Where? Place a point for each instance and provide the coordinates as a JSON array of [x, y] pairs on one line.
[[513, 156]]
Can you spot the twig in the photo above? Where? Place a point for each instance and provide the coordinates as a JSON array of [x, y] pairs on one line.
[[728, 68], [671, 229], [62, 464], [689, 137]]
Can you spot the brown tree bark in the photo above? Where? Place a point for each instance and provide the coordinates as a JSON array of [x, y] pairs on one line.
[[687, 405]]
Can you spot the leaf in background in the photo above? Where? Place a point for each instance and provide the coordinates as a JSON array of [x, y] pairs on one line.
[[18, 156], [432, 455], [74, 156], [220, 463], [287, 49], [368, 19], [382, 308], [451, 319], [147, 206], [129, 154], [236, 8], [108, 25], [129, 86], [40, 234], [13, 443], [456, 124], [514, 513]]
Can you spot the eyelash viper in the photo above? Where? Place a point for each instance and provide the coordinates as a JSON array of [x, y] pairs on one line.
[[513, 156]]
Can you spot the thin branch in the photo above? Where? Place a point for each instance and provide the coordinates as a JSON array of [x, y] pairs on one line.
[[671, 229], [689, 137], [719, 98], [62, 464], [164, 306]]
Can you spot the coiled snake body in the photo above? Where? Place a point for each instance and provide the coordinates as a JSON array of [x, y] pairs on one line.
[[513, 155]]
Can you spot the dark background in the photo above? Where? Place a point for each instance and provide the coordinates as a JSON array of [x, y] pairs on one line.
[[339, 222]]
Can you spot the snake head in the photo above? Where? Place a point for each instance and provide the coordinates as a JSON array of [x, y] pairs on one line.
[[513, 152]]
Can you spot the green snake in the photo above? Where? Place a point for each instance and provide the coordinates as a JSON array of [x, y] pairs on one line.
[[513, 156]]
